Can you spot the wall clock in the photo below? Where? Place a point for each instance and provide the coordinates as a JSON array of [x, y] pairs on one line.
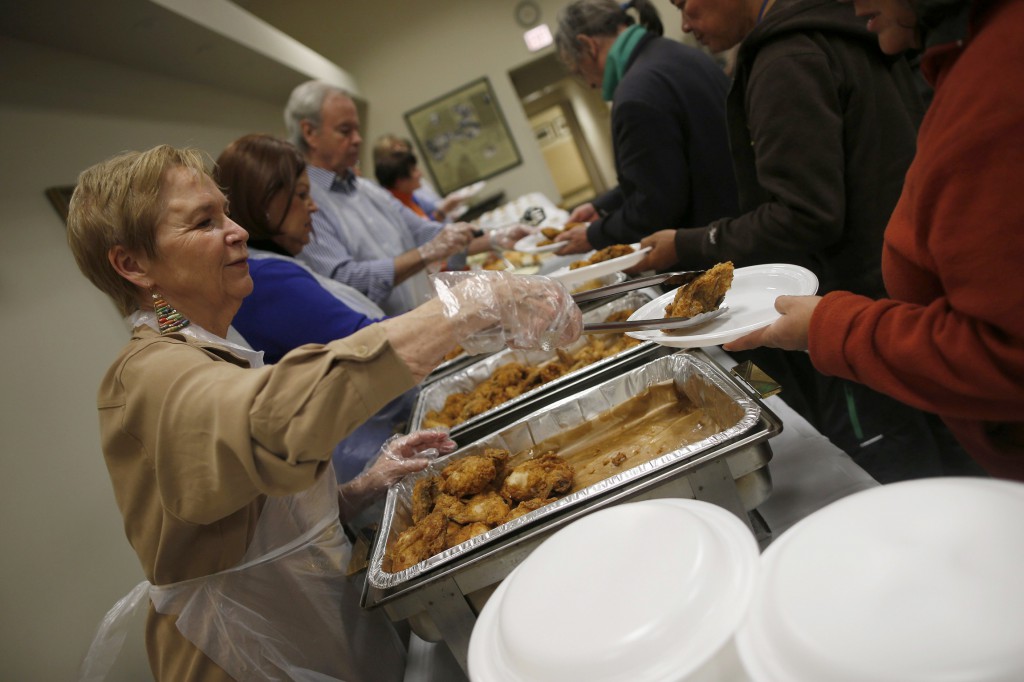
[[527, 13]]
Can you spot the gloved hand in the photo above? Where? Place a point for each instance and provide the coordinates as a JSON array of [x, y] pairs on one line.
[[400, 455], [494, 309], [451, 239], [450, 203], [404, 454], [506, 237]]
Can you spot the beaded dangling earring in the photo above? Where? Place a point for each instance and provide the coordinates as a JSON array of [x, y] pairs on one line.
[[169, 319]]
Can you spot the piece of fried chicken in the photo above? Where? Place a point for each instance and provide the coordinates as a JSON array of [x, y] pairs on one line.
[[607, 253], [458, 534], [527, 506], [473, 474], [418, 542], [541, 476], [489, 507], [467, 476], [423, 494], [703, 294]]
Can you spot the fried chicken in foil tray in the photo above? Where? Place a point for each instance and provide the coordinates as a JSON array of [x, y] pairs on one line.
[[651, 417], [510, 375]]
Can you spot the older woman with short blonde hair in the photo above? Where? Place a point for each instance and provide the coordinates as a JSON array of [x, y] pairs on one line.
[[222, 467]]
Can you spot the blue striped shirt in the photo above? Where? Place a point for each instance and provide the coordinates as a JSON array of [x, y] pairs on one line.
[[358, 232]]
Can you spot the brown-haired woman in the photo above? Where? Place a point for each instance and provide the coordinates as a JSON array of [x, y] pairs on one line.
[[268, 191]]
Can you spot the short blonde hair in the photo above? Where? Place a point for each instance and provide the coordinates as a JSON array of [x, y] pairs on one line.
[[119, 202]]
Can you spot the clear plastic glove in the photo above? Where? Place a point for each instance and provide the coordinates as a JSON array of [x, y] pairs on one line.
[[450, 203], [493, 310], [506, 237], [450, 240], [400, 455]]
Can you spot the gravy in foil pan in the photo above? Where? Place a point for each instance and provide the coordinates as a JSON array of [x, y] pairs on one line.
[[433, 395], [459, 359], [624, 409]]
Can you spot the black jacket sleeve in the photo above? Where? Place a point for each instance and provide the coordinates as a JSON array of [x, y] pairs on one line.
[[650, 179], [798, 148]]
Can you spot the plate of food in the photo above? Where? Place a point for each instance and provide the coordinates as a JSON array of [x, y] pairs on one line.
[[543, 241], [615, 258], [750, 299]]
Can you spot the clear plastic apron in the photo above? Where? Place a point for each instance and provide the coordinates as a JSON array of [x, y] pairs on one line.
[[285, 612]]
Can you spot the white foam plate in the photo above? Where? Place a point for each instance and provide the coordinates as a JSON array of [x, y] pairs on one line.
[[567, 276], [575, 611], [751, 303], [466, 192], [897, 583], [531, 244]]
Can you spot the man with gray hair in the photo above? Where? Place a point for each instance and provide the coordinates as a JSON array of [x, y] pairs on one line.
[[363, 236]]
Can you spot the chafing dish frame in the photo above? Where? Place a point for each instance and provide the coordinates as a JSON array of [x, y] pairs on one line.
[[442, 604]]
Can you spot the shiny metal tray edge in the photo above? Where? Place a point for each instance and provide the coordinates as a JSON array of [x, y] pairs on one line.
[[580, 381], [433, 394], [476, 569], [669, 367]]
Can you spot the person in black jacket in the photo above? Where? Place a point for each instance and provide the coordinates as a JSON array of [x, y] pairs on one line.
[[822, 127], [668, 124]]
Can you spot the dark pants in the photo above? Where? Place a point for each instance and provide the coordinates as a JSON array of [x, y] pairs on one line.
[[888, 439]]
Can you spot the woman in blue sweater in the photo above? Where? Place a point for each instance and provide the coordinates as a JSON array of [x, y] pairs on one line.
[[266, 183]]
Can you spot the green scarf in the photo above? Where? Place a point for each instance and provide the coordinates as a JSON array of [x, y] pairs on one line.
[[618, 57]]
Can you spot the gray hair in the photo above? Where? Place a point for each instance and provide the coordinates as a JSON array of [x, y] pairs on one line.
[[305, 104], [599, 18]]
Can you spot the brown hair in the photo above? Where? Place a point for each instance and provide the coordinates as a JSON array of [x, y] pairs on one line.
[[251, 171], [119, 202], [388, 144], [398, 165]]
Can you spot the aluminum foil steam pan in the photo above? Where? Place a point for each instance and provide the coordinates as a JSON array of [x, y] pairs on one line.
[[732, 412], [433, 395]]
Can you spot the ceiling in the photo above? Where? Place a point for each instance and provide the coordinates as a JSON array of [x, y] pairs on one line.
[[144, 35]]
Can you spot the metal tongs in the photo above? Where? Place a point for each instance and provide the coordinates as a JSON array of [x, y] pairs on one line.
[[670, 280]]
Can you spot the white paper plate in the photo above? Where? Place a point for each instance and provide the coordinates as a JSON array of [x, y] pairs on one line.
[[466, 192], [751, 302], [576, 609], [567, 276], [913, 581], [530, 244]]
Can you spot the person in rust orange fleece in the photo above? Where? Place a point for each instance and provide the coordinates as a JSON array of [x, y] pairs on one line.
[[950, 338]]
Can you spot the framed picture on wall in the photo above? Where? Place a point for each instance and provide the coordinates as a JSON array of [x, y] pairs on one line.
[[463, 137]]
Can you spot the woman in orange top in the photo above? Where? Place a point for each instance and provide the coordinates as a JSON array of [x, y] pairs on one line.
[[399, 173]]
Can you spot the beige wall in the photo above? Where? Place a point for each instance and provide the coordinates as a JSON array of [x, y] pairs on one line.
[[404, 54], [64, 559]]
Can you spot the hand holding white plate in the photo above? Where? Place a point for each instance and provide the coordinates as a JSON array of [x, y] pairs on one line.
[[751, 303], [606, 267]]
